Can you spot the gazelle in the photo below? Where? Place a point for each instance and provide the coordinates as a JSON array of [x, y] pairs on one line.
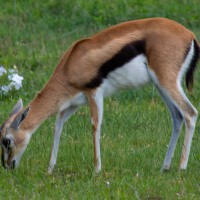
[[127, 55]]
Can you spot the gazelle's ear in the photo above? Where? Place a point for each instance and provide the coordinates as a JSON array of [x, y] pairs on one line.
[[18, 106], [19, 118]]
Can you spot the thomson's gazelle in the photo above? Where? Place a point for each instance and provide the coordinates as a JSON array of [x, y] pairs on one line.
[[127, 55]]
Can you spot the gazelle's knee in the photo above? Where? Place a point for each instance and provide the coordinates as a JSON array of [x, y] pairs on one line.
[[194, 113], [191, 117], [194, 117]]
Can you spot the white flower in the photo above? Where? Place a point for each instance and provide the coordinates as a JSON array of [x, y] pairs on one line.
[[6, 88], [17, 86], [10, 76], [108, 183], [16, 81], [17, 78], [2, 70], [12, 71]]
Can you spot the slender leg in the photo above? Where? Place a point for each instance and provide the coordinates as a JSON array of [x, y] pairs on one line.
[[62, 117], [95, 99], [180, 109], [190, 123], [189, 114], [177, 121], [169, 85]]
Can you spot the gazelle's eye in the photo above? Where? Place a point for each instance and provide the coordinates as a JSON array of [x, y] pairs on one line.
[[6, 142]]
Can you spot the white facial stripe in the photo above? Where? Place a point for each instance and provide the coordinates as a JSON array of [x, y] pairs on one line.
[[19, 154], [5, 154]]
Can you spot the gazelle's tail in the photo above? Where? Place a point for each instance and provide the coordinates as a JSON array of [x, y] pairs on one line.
[[189, 78]]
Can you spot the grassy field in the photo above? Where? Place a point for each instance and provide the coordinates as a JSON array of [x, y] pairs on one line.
[[136, 127]]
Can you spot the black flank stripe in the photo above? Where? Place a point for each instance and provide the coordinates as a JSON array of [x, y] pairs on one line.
[[127, 53]]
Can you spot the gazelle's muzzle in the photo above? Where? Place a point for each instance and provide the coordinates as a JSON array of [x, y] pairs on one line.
[[10, 165], [5, 161]]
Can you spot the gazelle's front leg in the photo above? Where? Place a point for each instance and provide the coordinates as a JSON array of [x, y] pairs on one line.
[[62, 117], [95, 99]]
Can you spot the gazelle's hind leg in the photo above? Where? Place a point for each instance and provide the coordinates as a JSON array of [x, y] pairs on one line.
[[177, 120], [167, 77], [62, 117], [190, 122], [180, 109], [189, 114]]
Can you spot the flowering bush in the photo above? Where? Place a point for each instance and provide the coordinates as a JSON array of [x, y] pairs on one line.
[[9, 80]]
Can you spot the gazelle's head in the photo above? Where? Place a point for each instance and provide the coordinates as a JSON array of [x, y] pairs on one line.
[[13, 139]]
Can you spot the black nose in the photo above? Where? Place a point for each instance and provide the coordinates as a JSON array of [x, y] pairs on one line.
[[6, 142]]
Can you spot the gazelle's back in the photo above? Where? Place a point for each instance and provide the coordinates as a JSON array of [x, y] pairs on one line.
[[160, 40]]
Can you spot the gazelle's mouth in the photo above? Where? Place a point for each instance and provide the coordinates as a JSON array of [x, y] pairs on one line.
[[11, 165]]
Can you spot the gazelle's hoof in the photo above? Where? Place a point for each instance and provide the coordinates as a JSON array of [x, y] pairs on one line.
[[182, 167], [97, 170], [50, 170], [165, 168]]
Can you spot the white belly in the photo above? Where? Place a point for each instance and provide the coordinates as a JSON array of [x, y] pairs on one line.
[[131, 75]]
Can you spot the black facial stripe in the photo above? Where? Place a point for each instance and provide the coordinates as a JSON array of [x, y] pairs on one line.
[[127, 53], [2, 158], [2, 126]]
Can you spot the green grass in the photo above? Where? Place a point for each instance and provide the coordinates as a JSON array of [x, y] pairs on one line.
[[136, 127]]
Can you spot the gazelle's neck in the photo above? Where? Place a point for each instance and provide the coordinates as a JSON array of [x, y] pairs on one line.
[[47, 102]]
